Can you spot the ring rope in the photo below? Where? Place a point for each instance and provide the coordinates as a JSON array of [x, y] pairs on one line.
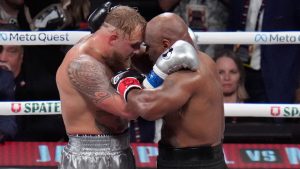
[[72, 37], [231, 109]]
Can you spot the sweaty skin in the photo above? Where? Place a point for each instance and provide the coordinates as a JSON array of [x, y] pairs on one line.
[[89, 103], [190, 103]]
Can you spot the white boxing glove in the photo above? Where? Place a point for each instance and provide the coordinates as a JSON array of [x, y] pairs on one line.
[[181, 55]]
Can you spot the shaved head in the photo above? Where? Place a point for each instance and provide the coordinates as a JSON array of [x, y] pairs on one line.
[[167, 25], [163, 31]]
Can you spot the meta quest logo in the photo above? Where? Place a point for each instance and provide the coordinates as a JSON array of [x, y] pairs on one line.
[[276, 38], [30, 37]]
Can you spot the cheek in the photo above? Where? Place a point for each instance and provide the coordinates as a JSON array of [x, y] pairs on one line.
[[235, 79]]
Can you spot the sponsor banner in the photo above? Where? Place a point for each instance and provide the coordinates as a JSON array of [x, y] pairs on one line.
[[41, 37], [72, 37], [288, 37], [254, 156], [30, 108], [231, 109], [262, 110]]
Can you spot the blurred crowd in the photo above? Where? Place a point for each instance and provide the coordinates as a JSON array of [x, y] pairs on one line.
[[249, 73]]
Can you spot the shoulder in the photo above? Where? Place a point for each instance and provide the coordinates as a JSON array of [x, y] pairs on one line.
[[84, 61]]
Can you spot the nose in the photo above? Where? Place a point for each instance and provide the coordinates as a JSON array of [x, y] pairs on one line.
[[226, 76], [3, 57]]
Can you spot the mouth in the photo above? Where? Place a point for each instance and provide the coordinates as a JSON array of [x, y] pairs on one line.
[[227, 85]]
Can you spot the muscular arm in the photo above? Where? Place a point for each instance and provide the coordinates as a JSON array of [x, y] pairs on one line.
[[153, 104], [89, 77]]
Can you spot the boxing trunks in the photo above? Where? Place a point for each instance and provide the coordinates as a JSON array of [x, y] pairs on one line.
[[202, 157], [98, 152]]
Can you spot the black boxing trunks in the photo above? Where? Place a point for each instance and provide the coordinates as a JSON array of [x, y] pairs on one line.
[[98, 152], [202, 157]]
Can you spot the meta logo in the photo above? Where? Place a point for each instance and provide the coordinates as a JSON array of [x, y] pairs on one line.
[[3, 36], [261, 38]]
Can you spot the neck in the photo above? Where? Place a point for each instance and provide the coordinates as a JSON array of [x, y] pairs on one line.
[[94, 49], [231, 98]]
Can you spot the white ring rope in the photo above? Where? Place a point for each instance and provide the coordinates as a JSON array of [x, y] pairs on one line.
[[231, 109], [72, 37]]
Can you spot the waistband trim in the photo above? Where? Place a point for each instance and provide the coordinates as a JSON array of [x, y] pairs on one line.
[[98, 143], [191, 153]]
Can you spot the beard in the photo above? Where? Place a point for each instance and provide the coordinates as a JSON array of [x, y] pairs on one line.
[[118, 62]]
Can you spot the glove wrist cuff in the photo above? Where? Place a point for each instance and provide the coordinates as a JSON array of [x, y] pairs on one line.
[[126, 85], [159, 72]]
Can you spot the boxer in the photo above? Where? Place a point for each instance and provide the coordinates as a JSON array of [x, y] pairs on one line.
[[188, 98], [94, 115]]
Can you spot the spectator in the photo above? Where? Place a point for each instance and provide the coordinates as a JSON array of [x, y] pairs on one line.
[[147, 8], [30, 128], [201, 15], [8, 125], [41, 63], [270, 77], [232, 75], [9, 11], [298, 92], [11, 57]]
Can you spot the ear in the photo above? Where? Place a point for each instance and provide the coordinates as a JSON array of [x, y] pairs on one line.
[[166, 43], [113, 38]]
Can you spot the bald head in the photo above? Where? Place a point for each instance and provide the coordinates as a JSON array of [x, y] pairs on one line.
[[167, 25], [163, 31]]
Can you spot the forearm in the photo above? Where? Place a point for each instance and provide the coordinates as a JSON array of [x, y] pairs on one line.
[[146, 103], [116, 106]]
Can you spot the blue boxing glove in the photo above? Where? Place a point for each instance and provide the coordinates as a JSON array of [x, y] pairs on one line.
[[124, 81], [181, 55]]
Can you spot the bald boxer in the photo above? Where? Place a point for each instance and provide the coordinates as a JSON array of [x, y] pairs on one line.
[[94, 114], [187, 95]]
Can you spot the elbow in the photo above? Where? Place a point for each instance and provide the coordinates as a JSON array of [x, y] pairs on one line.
[[130, 116], [150, 114]]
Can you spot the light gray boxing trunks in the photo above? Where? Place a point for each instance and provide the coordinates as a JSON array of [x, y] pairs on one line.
[[98, 152]]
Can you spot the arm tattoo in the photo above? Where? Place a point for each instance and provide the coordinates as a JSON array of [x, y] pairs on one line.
[[89, 77]]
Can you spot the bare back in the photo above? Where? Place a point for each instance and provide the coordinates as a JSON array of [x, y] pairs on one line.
[[85, 92], [200, 121]]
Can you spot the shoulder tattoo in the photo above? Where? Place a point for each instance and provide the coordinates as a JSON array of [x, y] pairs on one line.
[[89, 77]]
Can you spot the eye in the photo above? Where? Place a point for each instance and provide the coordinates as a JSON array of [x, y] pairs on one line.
[[144, 47], [136, 45]]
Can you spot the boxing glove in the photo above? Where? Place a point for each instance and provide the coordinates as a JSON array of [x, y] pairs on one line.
[[97, 18], [124, 81], [181, 55]]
